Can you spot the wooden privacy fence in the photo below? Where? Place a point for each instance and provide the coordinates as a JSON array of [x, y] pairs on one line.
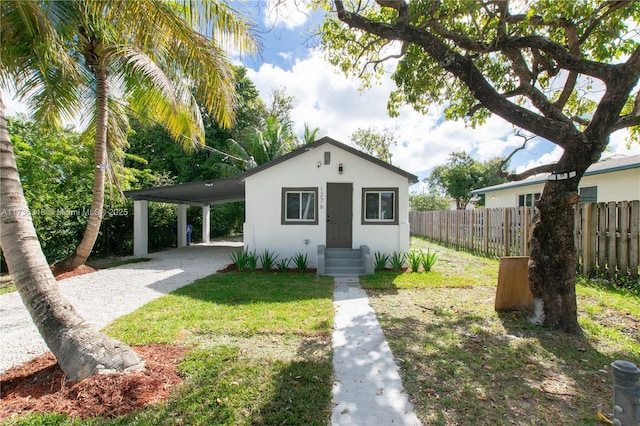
[[606, 235]]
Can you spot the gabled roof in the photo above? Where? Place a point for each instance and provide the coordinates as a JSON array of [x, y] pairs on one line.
[[327, 140], [606, 166], [218, 191]]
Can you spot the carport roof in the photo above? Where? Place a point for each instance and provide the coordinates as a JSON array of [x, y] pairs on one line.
[[213, 191]]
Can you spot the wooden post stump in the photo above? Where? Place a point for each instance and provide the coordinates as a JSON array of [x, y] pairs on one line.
[[513, 293]]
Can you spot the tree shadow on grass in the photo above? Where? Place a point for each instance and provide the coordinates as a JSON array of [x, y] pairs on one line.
[[458, 371]]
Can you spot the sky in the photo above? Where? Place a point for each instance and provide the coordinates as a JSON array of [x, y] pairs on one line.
[[290, 58], [326, 99]]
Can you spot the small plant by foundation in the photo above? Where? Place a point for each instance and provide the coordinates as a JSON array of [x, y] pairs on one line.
[[283, 264], [268, 260], [239, 258], [398, 260], [380, 261], [300, 260], [428, 260], [414, 259], [252, 260]]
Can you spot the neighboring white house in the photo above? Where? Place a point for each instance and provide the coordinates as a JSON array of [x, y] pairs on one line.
[[615, 179], [326, 194]]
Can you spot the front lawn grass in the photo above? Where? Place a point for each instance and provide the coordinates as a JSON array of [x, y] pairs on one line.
[[463, 363], [262, 349], [261, 352]]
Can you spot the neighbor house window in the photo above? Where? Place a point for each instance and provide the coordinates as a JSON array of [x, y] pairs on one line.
[[589, 194], [299, 206], [528, 200], [380, 206]]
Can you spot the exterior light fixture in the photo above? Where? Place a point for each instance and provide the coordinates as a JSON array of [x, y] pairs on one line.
[[340, 168]]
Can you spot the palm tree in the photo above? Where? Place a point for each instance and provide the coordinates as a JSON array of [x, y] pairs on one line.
[[273, 139], [39, 52], [155, 66], [310, 134], [34, 60]]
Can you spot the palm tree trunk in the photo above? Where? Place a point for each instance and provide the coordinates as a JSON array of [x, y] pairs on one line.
[[81, 350], [94, 219]]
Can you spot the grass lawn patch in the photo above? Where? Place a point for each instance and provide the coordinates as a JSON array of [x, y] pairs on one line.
[[261, 352], [8, 289], [463, 363], [262, 349]]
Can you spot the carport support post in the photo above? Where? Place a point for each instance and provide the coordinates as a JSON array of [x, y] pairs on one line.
[[182, 225], [206, 226], [140, 227]]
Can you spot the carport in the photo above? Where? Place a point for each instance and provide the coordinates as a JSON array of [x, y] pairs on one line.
[[204, 193]]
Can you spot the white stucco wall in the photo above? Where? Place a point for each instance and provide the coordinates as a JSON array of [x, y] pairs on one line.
[[263, 192], [623, 185]]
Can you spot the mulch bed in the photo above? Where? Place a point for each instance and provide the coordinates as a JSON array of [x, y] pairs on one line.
[[80, 270], [39, 386]]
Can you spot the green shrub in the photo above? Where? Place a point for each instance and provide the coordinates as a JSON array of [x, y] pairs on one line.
[[252, 260], [300, 260], [380, 261], [428, 259], [268, 260], [283, 264], [239, 258], [414, 258], [397, 260]]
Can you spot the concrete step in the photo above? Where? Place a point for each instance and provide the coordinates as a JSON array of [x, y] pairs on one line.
[[342, 253], [343, 261], [336, 271]]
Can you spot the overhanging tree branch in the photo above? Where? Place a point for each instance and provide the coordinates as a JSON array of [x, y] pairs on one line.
[[462, 67]]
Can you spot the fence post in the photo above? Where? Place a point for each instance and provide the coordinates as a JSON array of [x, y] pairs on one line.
[[602, 236], [525, 231], [471, 228], [506, 224], [612, 228], [586, 238], [626, 407], [634, 238], [623, 242], [485, 232]]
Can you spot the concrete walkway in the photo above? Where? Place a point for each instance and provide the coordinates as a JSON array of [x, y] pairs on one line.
[[367, 389]]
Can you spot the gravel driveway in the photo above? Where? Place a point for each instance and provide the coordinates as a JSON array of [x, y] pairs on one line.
[[102, 296]]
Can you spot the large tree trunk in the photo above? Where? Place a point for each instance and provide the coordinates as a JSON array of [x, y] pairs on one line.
[[94, 219], [552, 264], [81, 350]]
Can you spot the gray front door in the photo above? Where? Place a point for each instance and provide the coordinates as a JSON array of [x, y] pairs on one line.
[[339, 214]]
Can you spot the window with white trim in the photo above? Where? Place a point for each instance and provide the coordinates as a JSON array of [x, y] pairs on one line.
[[380, 206], [528, 200], [299, 206]]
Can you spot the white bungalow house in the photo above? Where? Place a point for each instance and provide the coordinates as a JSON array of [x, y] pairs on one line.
[[325, 200], [615, 179]]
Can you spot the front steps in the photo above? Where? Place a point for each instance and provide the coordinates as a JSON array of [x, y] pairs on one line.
[[344, 262]]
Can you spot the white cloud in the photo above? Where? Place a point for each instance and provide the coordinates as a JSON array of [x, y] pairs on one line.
[[287, 56], [333, 102], [286, 13]]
